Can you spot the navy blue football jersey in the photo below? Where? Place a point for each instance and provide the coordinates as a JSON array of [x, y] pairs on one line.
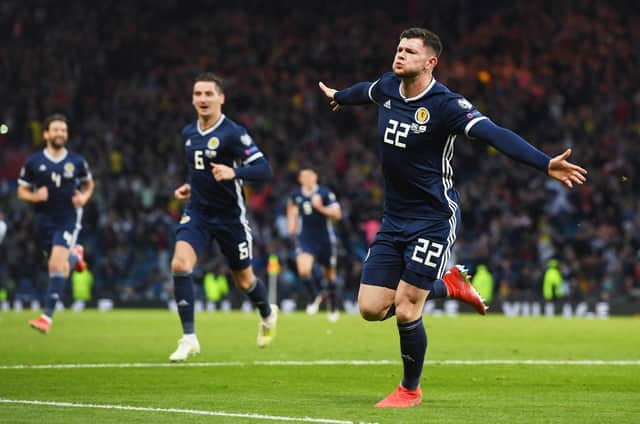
[[225, 143], [416, 142], [62, 177], [312, 224]]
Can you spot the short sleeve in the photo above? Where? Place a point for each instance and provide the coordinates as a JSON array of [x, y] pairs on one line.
[[84, 173], [27, 174], [329, 198], [376, 93], [461, 115]]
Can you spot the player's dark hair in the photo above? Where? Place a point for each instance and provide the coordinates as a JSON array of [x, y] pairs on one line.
[[211, 77], [307, 168], [429, 38], [52, 118]]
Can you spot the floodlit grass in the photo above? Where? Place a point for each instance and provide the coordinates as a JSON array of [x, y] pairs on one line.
[[464, 393]]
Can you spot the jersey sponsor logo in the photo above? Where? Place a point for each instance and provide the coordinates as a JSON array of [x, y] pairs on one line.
[[387, 104], [418, 129], [422, 115], [68, 170], [464, 104], [246, 139], [213, 143], [185, 219]]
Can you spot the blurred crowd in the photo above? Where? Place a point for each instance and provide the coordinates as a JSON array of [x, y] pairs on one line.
[[562, 75]]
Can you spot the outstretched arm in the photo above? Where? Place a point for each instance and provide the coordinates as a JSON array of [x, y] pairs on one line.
[[517, 148], [566, 172], [357, 94]]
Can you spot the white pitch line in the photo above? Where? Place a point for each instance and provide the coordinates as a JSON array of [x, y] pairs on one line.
[[323, 362], [196, 364], [535, 362], [177, 410]]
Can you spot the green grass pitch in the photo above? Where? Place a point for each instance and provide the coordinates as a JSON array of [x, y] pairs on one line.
[[258, 390]]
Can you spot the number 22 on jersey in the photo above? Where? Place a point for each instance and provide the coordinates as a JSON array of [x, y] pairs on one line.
[[395, 132]]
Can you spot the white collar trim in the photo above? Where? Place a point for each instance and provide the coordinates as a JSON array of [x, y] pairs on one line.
[[312, 191], [424, 92], [56, 160], [216, 125]]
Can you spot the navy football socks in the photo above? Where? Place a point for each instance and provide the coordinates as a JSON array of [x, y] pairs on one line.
[[439, 290], [73, 260], [183, 292], [54, 292], [310, 285], [333, 301], [257, 293], [413, 346]]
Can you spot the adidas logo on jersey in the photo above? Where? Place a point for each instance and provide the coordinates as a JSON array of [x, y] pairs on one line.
[[387, 104], [188, 143], [183, 303]]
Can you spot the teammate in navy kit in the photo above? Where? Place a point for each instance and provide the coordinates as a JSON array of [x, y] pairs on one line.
[[59, 183], [418, 120], [311, 211], [220, 155]]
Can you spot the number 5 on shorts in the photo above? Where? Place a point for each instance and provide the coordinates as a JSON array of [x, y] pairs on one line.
[[243, 248], [425, 251]]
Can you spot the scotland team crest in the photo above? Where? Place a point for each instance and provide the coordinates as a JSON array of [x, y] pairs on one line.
[[68, 170], [422, 115], [213, 143]]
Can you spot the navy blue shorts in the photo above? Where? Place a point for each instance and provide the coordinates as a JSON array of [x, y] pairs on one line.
[[234, 237], [416, 251], [324, 251], [63, 233]]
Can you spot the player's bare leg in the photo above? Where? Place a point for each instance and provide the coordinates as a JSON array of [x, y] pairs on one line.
[[304, 263], [375, 302]]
